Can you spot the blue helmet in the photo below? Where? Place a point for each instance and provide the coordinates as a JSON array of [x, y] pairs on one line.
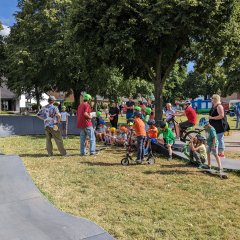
[[151, 122], [203, 122], [102, 122]]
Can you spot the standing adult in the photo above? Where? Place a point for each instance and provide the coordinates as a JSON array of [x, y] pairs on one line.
[[237, 113], [218, 121], [113, 115], [130, 107], [84, 123], [52, 118]]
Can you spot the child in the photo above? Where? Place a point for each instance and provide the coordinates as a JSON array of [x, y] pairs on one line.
[[98, 118], [212, 142], [111, 136], [101, 131], [121, 136], [147, 111], [64, 122], [198, 150], [168, 137], [140, 132], [152, 135]]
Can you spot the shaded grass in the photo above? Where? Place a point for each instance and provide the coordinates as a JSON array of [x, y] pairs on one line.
[[168, 200]]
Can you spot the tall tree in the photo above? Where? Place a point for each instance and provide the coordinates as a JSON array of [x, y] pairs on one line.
[[30, 58], [146, 38]]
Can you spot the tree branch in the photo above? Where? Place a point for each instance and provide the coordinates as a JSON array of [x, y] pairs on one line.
[[150, 72], [172, 62]]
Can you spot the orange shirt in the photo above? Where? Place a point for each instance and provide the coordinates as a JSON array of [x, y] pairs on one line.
[[152, 132], [139, 127]]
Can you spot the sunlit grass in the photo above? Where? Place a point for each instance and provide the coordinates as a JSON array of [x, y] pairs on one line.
[[168, 200]]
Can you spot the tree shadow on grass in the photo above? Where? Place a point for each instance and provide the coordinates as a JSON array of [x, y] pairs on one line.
[[104, 164], [180, 165], [35, 155], [170, 172]]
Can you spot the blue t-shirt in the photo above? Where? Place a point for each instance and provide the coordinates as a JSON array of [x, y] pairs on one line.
[[210, 135]]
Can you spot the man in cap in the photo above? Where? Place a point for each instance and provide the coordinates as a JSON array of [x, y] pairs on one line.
[[84, 123], [191, 115], [51, 117]]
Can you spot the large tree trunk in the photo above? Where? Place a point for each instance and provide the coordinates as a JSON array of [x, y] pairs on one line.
[[38, 97], [76, 94], [158, 85]]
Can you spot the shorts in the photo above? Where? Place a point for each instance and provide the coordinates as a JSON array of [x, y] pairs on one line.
[[185, 125], [171, 142], [213, 151]]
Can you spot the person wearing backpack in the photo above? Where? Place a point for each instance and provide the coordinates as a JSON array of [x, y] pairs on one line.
[[217, 119]]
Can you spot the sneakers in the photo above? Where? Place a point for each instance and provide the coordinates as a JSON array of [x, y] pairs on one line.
[[169, 158], [138, 161], [93, 154], [204, 167]]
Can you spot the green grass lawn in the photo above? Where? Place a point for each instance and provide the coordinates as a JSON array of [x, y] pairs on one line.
[[168, 200]]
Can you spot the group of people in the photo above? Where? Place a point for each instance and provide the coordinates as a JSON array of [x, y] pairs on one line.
[[146, 130]]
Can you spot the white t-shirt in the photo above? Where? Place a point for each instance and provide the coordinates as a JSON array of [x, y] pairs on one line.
[[64, 116]]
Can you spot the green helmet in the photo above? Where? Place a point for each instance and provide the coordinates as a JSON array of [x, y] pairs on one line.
[[137, 108], [87, 97], [99, 114], [147, 110]]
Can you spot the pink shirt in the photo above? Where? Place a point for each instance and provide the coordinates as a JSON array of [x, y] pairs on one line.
[[82, 121]]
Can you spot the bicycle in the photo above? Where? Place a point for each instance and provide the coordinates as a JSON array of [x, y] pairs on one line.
[[186, 134]]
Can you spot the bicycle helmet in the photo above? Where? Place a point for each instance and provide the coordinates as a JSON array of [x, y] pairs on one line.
[[123, 129], [203, 122], [151, 122], [99, 114], [102, 122], [187, 102], [87, 97], [137, 114], [201, 138], [137, 108], [112, 129], [163, 124], [147, 110]]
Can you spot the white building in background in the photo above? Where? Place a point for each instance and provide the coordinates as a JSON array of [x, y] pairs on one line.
[[10, 102]]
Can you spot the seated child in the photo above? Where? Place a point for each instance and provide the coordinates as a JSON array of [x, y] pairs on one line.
[[101, 131], [121, 137], [198, 150], [111, 135], [152, 135], [98, 119], [212, 142], [168, 137]]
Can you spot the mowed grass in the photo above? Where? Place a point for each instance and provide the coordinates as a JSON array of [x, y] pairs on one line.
[[168, 200]]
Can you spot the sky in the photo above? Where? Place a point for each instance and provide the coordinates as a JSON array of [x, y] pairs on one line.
[[7, 9]]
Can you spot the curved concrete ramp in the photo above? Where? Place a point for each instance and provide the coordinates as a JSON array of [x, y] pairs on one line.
[[25, 214]]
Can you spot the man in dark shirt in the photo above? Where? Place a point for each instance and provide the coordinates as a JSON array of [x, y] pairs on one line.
[[113, 112], [130, 108]]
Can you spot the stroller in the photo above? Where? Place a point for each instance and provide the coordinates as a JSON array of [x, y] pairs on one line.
[[131, 147]]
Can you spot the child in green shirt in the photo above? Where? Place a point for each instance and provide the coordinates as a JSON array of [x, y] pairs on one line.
[[168, 137]]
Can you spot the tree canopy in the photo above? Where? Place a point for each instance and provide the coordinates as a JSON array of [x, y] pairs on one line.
[[146, 38]]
